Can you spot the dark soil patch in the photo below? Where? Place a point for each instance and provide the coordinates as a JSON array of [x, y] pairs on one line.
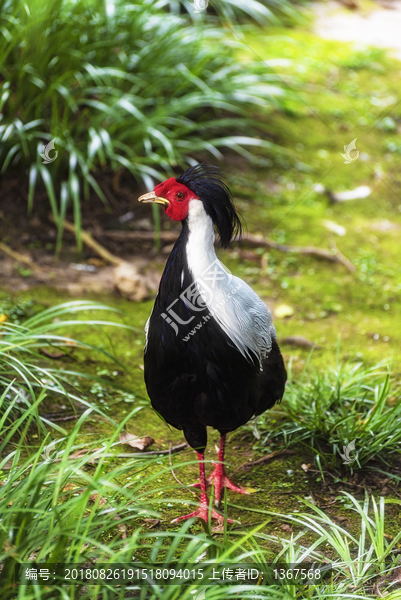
[[34, 236]]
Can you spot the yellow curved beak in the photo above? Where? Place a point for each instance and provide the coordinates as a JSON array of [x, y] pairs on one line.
[[151, 197]]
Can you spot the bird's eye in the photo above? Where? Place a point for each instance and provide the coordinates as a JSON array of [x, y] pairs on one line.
[[180, 195]]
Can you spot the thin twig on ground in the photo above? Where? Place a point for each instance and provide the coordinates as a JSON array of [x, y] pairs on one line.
[[175, 476], [292, 493], [349, 484], [173, 450], [57, 419], [94, 245], [19, 257], [300, 341], [117, 234], [338, 257], [394, 490], [270, 456]]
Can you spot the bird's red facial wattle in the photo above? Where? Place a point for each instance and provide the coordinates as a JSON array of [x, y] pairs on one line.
[[174, 196]]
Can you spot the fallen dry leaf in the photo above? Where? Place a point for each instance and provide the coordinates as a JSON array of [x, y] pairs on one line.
[[122, 528], [34, 554], [152, 523], [219, 528], [94, 497], [69, 487], [306, 467], [79, 453], [97, 262], [136, 442], [58, 354], [251, 490]]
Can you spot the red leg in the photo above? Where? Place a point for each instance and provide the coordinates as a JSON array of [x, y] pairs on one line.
[[219, 477], [203, 511]]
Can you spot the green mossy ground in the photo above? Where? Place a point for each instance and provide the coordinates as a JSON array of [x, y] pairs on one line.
[[352, 93]]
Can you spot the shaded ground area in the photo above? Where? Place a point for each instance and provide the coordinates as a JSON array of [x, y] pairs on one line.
[[35, 238]]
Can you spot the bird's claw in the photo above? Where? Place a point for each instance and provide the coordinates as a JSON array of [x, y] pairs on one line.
[[203, 513], [220, 481]]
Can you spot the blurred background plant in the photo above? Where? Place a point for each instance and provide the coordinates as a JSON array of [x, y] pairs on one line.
[[124, 85], [262, 11]]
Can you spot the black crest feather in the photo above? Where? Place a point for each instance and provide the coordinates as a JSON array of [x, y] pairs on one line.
[[206, 182]]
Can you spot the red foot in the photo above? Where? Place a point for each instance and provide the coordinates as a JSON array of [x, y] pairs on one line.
[[203, 513], [220, 481]]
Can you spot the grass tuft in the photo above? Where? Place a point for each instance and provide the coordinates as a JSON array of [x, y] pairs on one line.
[[327, 410], [27, 371]]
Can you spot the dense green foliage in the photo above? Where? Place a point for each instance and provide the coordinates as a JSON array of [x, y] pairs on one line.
[[118, 85]]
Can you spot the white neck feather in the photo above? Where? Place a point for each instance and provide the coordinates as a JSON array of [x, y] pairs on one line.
[[200, 245]]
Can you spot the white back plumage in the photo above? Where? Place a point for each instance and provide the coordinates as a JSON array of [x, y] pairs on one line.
[[240, 312]]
